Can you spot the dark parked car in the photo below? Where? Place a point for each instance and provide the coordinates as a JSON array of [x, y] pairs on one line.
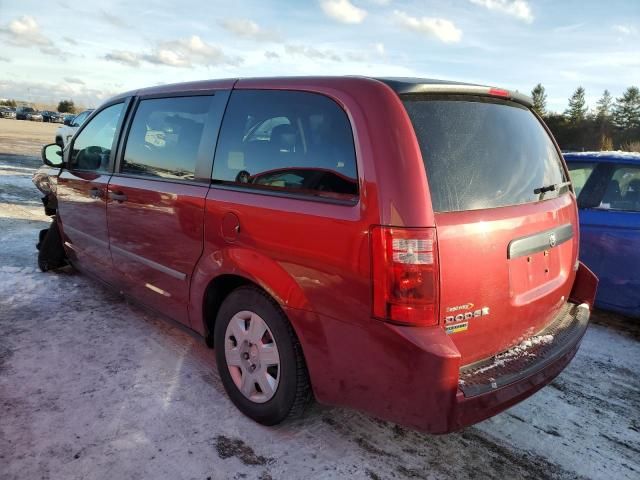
[[7, 112], [608, 188], [24, 113], [405, 247], [52, 117]]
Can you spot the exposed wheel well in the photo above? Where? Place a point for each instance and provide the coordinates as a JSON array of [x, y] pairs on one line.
[[216, 292]]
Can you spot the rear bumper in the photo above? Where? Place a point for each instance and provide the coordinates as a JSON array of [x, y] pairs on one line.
[[411, 376], [487, 388]]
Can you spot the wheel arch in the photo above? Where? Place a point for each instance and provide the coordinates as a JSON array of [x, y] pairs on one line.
[[218, 274], [215, 292]]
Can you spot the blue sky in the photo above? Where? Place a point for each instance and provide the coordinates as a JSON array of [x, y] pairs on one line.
[[88, 50]]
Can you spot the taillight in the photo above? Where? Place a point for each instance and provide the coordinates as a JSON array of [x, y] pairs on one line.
[[405, 275], [498, 92]]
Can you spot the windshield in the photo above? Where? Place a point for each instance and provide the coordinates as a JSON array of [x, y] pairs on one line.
[[483, 153]]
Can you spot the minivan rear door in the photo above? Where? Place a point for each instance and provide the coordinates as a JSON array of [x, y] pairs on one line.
[[505, 216]]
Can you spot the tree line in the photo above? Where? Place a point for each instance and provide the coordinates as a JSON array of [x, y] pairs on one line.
[[64, 106], [614, 124]]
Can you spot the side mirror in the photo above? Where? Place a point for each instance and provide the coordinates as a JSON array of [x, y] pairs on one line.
[[52, 155]]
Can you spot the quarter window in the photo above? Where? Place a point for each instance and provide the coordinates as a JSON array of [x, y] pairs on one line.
[[580, 173], [92, 147], [294, 142], [165, 137], [623, 190]]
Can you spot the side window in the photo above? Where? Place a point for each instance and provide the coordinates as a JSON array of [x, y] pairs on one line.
[[79, 120], [623, 190], [165, 136], [579, 173], [286, 141], [92, 147]]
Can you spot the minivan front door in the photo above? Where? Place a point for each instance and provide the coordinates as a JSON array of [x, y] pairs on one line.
[[156, 199], [82, 189]]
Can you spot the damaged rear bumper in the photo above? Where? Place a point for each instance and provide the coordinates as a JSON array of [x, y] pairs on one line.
[[411, 376], [491, 386]]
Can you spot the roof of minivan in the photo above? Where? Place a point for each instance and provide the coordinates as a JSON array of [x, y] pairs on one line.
[[603, 157], [401, 85]]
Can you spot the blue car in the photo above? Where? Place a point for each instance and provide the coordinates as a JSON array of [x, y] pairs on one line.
[[607, 185]]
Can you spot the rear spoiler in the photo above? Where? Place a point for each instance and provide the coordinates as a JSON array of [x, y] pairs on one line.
[[402, 88]]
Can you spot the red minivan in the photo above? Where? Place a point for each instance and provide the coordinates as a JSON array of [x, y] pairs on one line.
[[405, 247]]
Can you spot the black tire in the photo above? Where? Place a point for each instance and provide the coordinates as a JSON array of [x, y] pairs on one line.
[[41, 235], [51, 252], [293, 393]]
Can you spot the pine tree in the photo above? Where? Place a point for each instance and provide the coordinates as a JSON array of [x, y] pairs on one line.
[[603, 107], [577, 110], [605, 143], [539, 100], [626, 111], [66, 106]]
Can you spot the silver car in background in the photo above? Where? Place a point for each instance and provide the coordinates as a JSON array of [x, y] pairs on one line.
[[65, 133]]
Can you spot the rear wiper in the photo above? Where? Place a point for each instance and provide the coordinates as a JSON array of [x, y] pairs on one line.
[[550, 188]]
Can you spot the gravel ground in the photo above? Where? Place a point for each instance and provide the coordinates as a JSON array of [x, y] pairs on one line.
[[93, 387]]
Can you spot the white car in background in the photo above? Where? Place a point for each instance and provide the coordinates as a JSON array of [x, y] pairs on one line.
[[70, 127]]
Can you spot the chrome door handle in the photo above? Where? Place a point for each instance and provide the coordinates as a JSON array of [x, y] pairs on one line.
[[95, 193], [118, 196]]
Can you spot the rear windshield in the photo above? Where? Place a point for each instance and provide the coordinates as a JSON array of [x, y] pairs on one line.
[[483, 153]]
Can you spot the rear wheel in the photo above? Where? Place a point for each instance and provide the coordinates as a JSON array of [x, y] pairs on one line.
[[259, 358]]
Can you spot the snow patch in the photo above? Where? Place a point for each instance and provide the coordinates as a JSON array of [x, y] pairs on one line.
[[518, 351], [606, 154]]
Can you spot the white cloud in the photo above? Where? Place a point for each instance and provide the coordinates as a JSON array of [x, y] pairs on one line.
[[568, 28], [516, 8], [343, 11], [77, 81], [625, 29], [185, 52], [113, 20], [25, 32], [48, 92], [124, 57], [271, 55], [312, 52], [444, 30], [245, 28], [379, 48]]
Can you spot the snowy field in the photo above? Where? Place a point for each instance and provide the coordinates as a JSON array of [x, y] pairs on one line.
[[92, 387]]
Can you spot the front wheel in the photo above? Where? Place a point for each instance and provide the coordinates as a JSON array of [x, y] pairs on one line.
[[50, 250], [259, 358]]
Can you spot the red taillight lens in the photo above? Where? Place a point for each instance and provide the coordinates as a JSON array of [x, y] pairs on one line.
[[405, 275], [498, 92]]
